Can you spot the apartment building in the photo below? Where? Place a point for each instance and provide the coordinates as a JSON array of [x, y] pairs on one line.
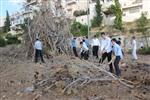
[[70, 6], [27, 11], [2, 19], [132, 10]]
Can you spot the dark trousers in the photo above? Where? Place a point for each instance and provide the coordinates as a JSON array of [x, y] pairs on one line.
[[109, 57], [116, 65], [95, 51], [75, 51], [38, 53], [85, 55]]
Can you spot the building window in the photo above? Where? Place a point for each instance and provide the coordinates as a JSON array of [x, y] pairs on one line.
[[134, 10], [124, 14]]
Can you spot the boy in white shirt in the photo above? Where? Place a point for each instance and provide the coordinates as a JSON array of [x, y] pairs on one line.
[[84, 52], [106, 49], [38, 50], [133, 44], [95, 45]]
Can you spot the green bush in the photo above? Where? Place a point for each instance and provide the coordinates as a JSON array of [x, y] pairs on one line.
[[12, 39], [77, 29], [145, 51], [2, 42]]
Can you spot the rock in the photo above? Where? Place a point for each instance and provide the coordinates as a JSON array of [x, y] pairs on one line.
[[69, 91], [29, 89], [4, 96], [18, 93]]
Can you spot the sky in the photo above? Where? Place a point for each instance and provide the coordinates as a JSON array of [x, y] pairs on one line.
[[10, 5]]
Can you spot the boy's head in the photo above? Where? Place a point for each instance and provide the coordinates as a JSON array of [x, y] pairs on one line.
[[133, 37], [113, 41], [83, 40], [94, 36], [81, 43], [103, 35]]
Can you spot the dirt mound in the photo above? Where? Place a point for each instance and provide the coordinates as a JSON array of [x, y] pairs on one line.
[[69, 78]]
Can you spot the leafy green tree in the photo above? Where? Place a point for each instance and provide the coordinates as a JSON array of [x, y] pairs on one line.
[[97, 20], [7, 23], [142, 24], [77, 29], [2, 42], [117, 11]]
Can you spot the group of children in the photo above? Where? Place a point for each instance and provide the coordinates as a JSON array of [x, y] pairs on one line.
[[102, 49]]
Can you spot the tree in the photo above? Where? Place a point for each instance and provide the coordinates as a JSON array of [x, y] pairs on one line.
[[77, 29], [116, 9], [142, 24], [7, 23], [97, 21]]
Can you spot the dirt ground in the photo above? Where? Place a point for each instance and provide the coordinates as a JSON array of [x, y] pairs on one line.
[[17, 73]]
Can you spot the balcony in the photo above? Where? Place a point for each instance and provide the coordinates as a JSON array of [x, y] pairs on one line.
[[34, 2], [140, 4], [137, 1], [70, 2]]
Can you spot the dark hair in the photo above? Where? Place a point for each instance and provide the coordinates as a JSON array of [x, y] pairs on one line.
[[86, 36], [133, 37], [37, 38], [119, 38], [74, 38], [81, 42], [114, 40], [94, 36], [103, 33]]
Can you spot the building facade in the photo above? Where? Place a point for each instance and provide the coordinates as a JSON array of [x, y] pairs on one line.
[[132, 10], [2, 19], [27, 11]]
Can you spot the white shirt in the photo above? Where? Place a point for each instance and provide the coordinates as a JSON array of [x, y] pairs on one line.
[[134, 44], [38, 45], [95, 42], [106, 44], [84, 47]]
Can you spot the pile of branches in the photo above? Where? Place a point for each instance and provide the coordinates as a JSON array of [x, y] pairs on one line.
[[72, 75], [51, 27]]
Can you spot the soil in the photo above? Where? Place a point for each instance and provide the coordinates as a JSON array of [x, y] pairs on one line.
[[17, 74]]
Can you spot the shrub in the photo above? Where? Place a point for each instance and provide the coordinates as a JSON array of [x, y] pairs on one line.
[[12, 39], [2, 42], [144, 51], [77, 29]]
